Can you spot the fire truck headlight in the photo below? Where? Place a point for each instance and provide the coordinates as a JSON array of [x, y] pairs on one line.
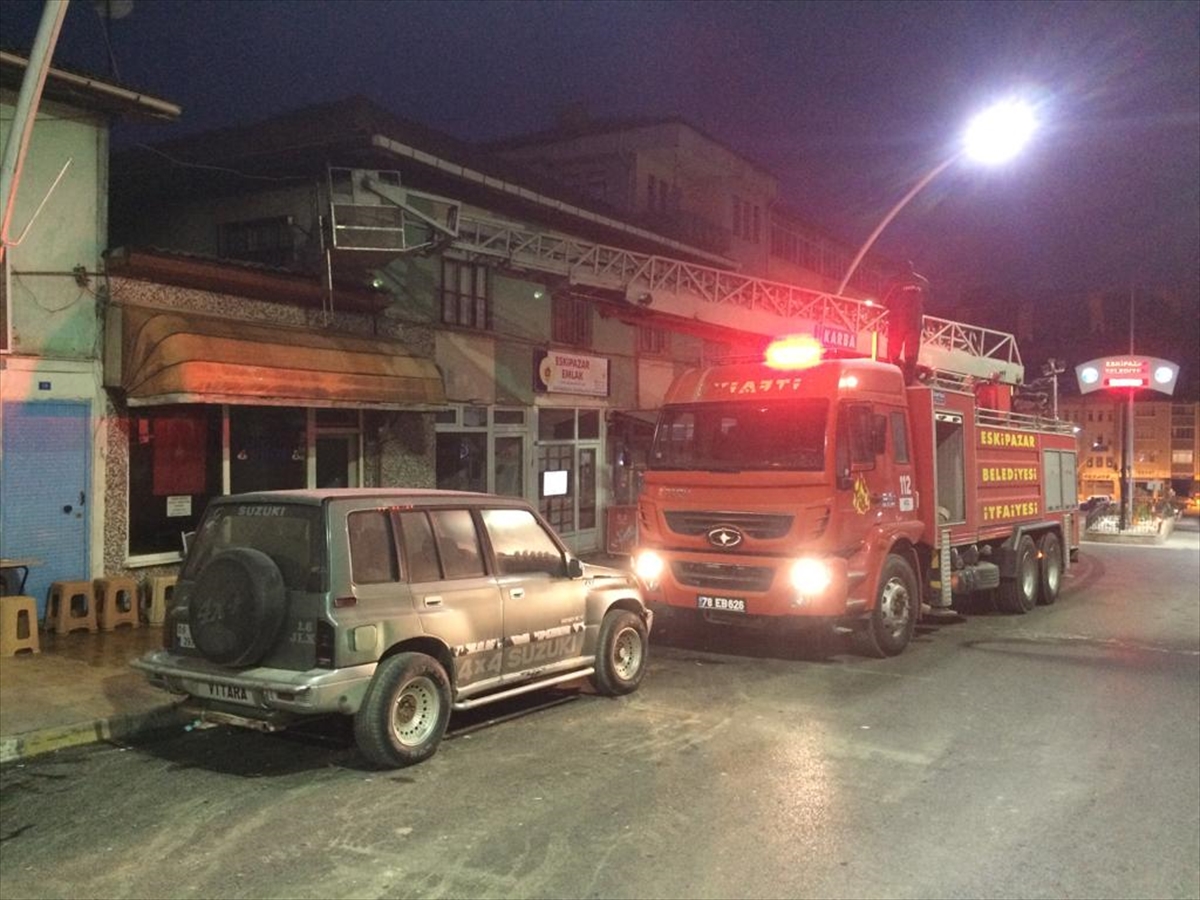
[[648, 566], [810, 576]]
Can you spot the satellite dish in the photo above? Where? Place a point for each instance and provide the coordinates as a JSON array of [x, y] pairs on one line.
[[113, 9]]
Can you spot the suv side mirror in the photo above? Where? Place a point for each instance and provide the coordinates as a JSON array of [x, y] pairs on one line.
[[574, 567]]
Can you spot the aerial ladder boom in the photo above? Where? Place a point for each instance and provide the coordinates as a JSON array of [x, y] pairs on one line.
[[671, 286]]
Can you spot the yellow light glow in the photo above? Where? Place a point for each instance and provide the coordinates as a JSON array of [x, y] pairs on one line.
[[797, 351]]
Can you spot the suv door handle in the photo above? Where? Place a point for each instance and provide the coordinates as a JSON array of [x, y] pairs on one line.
[[433, 601], [516, 593]]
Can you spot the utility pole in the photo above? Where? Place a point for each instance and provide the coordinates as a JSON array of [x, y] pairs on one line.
[[1127, 474], [1052, 369]]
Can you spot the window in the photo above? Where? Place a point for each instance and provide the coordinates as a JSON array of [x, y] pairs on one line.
[[267, 241], [521, 543], [174, 470], [372, 551], [420, 552], [465, 295], [571, 321], [653, 341], [462, 460], [737, 215], [267, 449], [457, 543], [899, 438], [757, 226], [651, 192]]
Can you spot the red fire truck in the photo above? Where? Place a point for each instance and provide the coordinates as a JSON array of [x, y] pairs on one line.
[[828, 489]]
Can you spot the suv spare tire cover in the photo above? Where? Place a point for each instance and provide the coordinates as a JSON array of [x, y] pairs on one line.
[[237, 606]]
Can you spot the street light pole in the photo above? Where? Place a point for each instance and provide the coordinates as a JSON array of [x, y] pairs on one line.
[[994, 136], [862, 251]]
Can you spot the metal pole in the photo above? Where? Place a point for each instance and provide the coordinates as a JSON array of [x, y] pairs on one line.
[[32, 83], [937, 170], [1127, 484], [1127, 487]]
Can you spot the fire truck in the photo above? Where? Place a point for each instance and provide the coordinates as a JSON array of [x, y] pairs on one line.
[[821, 487]]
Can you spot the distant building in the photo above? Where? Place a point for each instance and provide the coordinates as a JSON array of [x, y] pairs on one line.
[[1166, 444]]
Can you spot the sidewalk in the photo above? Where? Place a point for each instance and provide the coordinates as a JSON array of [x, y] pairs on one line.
[[81, 689]]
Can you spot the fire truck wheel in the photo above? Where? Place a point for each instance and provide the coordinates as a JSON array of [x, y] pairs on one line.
[[1019, 593], [1050, 550], [889, 628]]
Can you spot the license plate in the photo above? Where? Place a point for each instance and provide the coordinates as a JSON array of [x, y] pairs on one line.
[[183, 634], [723, 604], [229, 692]]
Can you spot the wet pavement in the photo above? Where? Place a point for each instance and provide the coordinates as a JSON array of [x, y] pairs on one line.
[[80, 689]]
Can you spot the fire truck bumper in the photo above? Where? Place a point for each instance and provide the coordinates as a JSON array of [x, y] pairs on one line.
[[720, 587]]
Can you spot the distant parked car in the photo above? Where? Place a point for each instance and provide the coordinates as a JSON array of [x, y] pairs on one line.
[[1094, 501], [391, 606]]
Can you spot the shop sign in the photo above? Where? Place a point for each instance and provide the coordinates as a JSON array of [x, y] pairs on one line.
[[570, 373], [1130, 372]]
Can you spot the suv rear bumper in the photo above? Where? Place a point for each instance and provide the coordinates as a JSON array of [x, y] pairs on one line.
[[306, 693]]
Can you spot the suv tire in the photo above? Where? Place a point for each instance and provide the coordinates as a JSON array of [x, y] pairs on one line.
[[622, 653], [237, 607], [405, 711]]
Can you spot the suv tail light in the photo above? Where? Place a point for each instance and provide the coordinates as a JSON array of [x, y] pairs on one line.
[[325, 644]]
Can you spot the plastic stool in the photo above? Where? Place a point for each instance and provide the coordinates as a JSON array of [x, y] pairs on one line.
[[72, 607], [18, 625], [159, 590], [116, 602]]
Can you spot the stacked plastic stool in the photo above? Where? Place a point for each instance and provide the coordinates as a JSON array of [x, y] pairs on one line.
[[18, 625], [116, 602], [72, 607], [159, 590]]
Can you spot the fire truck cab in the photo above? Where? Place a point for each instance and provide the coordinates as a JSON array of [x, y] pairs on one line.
[[830, 490]]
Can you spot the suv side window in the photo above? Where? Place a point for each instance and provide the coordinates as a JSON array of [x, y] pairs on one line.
[[420, 553], [457, 542], [372, 550], [521, 543]]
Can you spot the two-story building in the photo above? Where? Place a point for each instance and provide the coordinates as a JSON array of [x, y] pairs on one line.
[[53, 406], [336, 296]]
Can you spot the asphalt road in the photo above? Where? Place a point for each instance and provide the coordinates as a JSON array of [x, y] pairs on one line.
[[1050, 755]]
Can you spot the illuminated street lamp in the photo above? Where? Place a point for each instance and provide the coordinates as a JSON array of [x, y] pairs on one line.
[[994, 136]]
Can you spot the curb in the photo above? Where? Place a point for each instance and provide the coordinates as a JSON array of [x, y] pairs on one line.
[[113, 728]]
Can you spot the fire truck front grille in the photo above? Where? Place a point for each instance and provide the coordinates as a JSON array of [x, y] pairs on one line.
[[722, 576], [756, 525]]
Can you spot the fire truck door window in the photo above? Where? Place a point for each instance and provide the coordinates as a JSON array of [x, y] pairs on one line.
[[899, 437], [860, 433], [951, 493]]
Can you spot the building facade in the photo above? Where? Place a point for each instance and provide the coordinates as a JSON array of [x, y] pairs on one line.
[[1166, 444], [339, 297]]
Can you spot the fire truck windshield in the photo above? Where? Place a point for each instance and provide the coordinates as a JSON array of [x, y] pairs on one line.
[[737, 436]]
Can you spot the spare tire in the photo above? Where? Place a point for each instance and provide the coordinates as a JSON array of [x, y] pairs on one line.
[[237, 607]]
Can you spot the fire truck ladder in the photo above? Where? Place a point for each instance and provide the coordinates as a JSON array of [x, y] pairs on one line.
[[371, 210], [970, 350], [674, 286]]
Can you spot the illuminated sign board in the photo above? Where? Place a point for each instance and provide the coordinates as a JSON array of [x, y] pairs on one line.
[[570, 373], [1130, 372]]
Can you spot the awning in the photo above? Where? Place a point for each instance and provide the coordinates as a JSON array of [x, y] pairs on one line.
[[182, 358]]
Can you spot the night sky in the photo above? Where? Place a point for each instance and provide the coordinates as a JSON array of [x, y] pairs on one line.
[[849, 104]]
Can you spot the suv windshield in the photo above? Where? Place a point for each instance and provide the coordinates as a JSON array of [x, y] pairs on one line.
[[292, 535], [736, 436]]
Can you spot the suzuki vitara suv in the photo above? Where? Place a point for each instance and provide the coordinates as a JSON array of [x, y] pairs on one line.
[[391, 606]]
